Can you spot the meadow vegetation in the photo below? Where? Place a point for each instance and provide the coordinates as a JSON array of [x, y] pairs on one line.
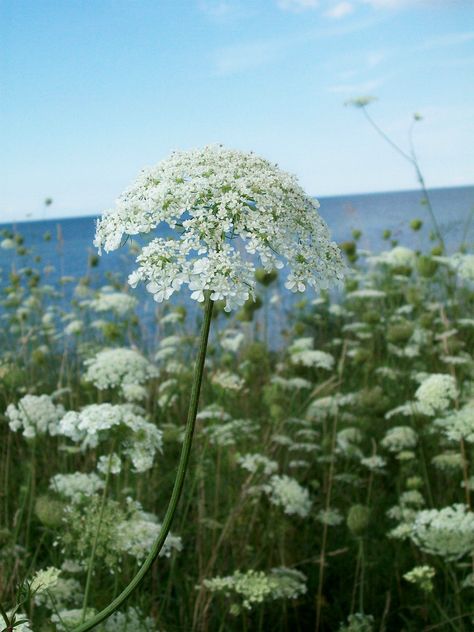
[[330, 484]]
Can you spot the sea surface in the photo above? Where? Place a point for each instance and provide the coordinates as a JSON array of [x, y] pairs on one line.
[[70, 246]]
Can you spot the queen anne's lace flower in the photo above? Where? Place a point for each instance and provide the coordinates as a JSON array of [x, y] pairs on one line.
[[140, 439], [254, 587], [77, 486], [287, 493], [35, 415], [399, 438], [106, 300], [228, 381], [448, 532], [435, 393], [221, 203], [257, 463], [461, 263], [302, 353], [45, 580], [459, 424], [398, 257], [125, 369], [136, 534], [421, 576]]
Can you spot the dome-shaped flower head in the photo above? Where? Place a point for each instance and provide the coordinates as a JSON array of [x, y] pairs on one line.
[[226, 209]]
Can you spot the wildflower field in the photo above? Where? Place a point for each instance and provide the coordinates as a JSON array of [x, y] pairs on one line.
[[330, 479]]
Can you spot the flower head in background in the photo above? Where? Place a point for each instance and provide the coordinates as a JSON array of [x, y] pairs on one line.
[[225, 208], [447, 532], [35, 415]]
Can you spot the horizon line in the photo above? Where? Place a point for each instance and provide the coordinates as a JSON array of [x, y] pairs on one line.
[[318, 197]]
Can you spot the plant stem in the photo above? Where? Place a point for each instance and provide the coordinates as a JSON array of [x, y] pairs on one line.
[[412, 158], [178, 483], [90, 568]]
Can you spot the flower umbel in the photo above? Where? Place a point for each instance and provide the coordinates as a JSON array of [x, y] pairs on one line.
[[221, 205]]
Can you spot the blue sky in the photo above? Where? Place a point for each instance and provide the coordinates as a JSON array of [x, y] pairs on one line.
[[94, 90]]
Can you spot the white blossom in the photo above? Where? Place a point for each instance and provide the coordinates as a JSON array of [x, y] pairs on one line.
[[139, 439], [286, 492], [448, 532], [124, 369], [106, 300], [221, 204], [257, 462], [77, 486], [35, 415], [399, 438], [435, 393]]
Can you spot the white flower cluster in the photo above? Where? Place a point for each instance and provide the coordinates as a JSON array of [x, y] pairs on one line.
[[461, 263], [257, 463], [228, 381], [7, 244], [358, 622], [45, 580], [459, 424], [77, 486], [124, 369], [218, 200], [292, 383], [74, 328], [66, 592], [66, 620], [231, 340], [330, 517], [421, 576], [398, 257], [255, 587], [302, 353], [140, 441], [132, 620], [136, 535], [399, 438], [228, 433], [435, 393], [284, 491], [448, 532], [107, 300], [366, 293], [35, 415]]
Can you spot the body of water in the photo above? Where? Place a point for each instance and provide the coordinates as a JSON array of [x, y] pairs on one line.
[[71, 239]]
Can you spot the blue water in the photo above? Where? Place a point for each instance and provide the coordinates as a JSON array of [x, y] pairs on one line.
[[71, 241]]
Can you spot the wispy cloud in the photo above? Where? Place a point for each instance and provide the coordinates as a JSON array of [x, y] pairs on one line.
[[297, 5], [224, 10], [244, 56], [390, 4], [448, 40], [400, 4], [340, 10]]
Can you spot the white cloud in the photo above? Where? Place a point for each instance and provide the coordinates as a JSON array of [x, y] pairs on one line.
[[297, 5], [223, 10], [450, 39], [340, 10], [398, 4]]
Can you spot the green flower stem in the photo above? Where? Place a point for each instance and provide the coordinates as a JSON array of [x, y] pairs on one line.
[[178, 483], [90, 568], [411, 157]]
